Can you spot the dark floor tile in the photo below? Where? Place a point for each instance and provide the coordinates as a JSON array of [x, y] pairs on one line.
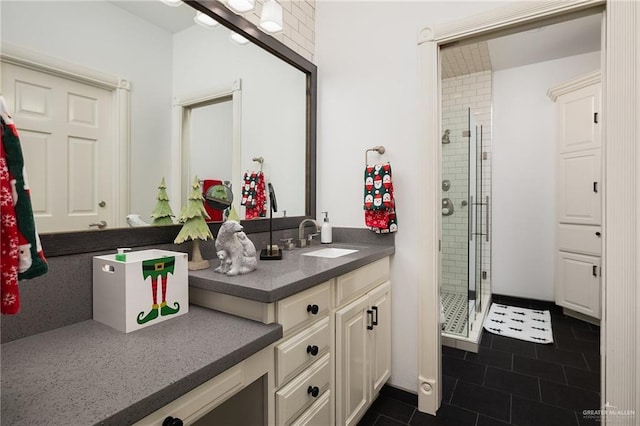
[[525, 412], [570, 343], [542, 369], [386, 421], [452, 352], [514, 346], [488, 421], [543, 305], [448, 385], [468, 371], [369, 418], [566, 321], [595, 328], [400, 395], [518, 384], [510, 301], [447, 415], [568, 397], [482, 400], [593, 361], [584, 334], [589, 380], [587, 419], [561, 356], [393, 408], [490, 357], [487, 339]]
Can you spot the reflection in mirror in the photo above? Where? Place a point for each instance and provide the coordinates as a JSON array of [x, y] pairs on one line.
[[132, 65]]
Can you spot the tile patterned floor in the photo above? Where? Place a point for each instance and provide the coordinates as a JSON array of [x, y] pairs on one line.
[[510, 382]]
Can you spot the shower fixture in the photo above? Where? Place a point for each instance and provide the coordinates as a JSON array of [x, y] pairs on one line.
[[446, 184], [445, 137]]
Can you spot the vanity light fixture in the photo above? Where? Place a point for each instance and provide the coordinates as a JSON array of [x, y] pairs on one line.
[[271, 19], [205, 20], [173, 3], [241, 6], [238, 38]]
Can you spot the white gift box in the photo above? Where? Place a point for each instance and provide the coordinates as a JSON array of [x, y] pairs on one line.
[[123, 291]]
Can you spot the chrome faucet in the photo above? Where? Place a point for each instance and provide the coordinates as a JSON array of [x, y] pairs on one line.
[[301, 242]]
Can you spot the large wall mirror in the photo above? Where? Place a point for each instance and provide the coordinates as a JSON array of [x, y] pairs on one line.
[[110, 97]]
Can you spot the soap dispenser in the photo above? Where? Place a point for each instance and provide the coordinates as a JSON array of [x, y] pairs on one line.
[[122, 256], [325, 232]]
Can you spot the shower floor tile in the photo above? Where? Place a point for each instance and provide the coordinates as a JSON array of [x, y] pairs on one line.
[[509, 384], [456, 312]]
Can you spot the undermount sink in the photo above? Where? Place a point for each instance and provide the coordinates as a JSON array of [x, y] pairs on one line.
[[330, 253]]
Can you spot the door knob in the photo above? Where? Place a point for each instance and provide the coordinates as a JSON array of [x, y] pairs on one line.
[[101, 225], [102, 203]]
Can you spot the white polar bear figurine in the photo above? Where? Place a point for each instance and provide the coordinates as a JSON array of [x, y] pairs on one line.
[[239, 255]]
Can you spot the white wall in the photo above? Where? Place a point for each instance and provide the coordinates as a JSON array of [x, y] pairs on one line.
[[524, 174], [368, 82]]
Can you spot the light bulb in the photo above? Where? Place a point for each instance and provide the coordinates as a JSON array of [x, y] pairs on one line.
[[238, 38], [241, 6], [271, 19], [173, 3], [205, 20]]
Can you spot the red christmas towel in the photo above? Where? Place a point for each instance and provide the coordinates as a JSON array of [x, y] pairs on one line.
[[379, 202], [254, 198], [9, 294]]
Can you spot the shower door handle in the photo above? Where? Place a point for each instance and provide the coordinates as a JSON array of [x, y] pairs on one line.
[[470, 218], [486, 223]]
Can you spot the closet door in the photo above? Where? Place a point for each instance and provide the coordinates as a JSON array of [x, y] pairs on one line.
[[578, 124], [580, 278], [579, 188]]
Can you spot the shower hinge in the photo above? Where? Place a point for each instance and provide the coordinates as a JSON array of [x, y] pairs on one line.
[[485, 155], [484, 275], [466, 133]]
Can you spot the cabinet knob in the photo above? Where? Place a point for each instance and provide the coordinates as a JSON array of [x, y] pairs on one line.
[[172, 421], [313, 350], [313, 309], [314, 391], [598, 234]]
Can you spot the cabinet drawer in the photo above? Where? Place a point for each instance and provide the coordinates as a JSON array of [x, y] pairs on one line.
[[319, 414], [356, 282], [299, 309], [296, 396], [298, 351], [580, 239]]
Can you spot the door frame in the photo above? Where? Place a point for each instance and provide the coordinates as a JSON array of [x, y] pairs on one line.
[[620, 325], [182, 106], [120, 89]]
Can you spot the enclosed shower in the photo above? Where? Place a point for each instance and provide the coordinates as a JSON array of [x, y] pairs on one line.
[[466, 224]]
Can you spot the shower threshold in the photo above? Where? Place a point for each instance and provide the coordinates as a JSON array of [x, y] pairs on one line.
[[472, 342]]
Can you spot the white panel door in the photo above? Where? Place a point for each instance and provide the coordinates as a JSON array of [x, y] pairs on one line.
[[67, 135], [352, 364], [580, 188], [380, 302], [579, 127], [578, 283]]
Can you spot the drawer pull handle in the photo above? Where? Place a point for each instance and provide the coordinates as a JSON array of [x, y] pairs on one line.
[[314, 391], [374, 321], [598, 234], [171, 421], [313, 350], [370, 322], [313, 309], [594, 270]]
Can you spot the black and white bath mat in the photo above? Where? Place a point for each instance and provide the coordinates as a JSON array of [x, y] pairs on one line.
[[520, 323]]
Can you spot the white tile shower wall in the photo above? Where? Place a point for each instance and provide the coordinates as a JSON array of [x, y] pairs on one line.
[[459, 93], [299, 25]]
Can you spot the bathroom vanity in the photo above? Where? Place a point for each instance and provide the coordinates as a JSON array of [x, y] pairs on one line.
[[313, 348]]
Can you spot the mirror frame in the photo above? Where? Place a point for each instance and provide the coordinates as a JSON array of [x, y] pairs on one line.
[[68, 243]]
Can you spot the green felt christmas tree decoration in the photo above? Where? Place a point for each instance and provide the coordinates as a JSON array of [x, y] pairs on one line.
[[233, 214], [162, 213], [195, 228]]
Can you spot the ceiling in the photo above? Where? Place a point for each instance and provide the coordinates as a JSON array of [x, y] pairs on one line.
[[569, 38]]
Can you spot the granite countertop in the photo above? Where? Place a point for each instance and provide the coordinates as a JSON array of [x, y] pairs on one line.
[[274, 280], [88, 373]]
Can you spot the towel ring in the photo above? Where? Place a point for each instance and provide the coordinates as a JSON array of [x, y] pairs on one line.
[[380, 149]]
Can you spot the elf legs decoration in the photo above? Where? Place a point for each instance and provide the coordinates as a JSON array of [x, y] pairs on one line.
[[155, 268]]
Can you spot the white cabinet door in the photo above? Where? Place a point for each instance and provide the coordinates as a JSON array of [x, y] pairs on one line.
[[579, 126], [352, 363], [380, 302], [579, 188], [578, 283]]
